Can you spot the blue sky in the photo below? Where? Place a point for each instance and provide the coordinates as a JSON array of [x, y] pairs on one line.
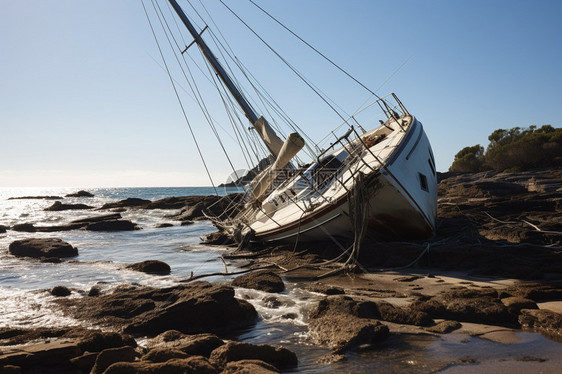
[[83, 102]]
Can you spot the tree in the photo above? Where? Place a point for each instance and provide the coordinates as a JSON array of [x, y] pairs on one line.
[[469, 159]]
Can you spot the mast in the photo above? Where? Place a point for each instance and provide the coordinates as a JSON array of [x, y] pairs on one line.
[[250, 114]]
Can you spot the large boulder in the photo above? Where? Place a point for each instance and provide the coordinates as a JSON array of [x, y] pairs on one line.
[[192, 308], [151, 267], [341, 323], [279, 357], [58, 206], [44, 247], [545, 321], [264, 280], [163, 354]]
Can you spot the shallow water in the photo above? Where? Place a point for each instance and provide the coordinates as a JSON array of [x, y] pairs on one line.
[[25, 302]]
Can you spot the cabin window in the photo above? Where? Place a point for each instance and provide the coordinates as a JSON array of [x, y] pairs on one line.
[[423, 182]]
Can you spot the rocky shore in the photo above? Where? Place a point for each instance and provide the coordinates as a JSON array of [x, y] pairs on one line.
[[493, 269]]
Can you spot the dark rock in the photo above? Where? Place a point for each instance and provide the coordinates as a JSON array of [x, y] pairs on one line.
[[326, 289], [36, 198], [3, 229], [445, 327], [127, 203], [192, 308], [104, 217], [10, 369], [190, 365], [187, 223], [58, 206], [515, 304], [94, 291], [51, 353], [163, 354], [193, 345], [109, 356], [80, 193], [151, 267], [545, 321], [468, 305], [60, 291], [86, 362], [264, 280], [97, 341], [164, 225], [217, 238], [337, 322], [24, 227], [249, 366], [390, 313], [46, 247], [281, 358], [117, 225]]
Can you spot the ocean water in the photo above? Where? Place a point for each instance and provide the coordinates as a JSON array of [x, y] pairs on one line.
[[26, 302]]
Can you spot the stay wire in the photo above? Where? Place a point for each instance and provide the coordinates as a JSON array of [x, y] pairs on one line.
[[286, 63], [195, 91], [314, 49], [178, 98]]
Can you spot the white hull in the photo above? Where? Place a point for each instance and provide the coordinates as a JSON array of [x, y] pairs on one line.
[[400, 186]]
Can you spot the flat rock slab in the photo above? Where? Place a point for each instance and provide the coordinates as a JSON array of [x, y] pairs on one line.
[[190, 365], [45, 247], [280, 357], [113, 225], [151, 267]]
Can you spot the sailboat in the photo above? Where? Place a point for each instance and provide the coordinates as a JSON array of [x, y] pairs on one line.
[[381, 180]]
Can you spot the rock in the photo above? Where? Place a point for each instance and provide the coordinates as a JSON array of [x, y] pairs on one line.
[[45, 247], [216, 238], [116, 225], [164, 225], [545, 321], [280, 357], [97, 341], [163, 354], [94, 291], [3, 229], [86, 362], [190, 365], [264, 280], [127, 203], [187, 222], [80, 193], [445, 327], [58, 206], [24, 227], [515, 304], [467, 305], [193, 345], [390, 313], [335, 323], [60, 291], [109, 356], [326, 289], [53, 352], [249, 366], [192, 308], [151, 267], [36, 198], [103, 217]]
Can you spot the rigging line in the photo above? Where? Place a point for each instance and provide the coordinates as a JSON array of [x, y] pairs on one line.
[[315, 50], [179, 99], [285, 61], [241, 144], [382, 84], [201, 105]]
